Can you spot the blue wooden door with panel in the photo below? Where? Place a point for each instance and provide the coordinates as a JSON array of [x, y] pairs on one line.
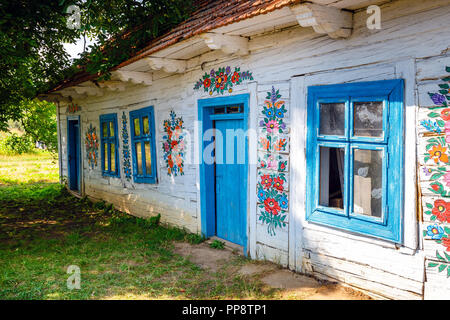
[[229, 181], [74, 154]]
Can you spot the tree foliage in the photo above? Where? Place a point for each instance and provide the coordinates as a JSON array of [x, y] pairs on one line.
[[32, 33]]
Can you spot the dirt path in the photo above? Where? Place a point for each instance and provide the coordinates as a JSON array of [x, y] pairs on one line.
[[290, 285]]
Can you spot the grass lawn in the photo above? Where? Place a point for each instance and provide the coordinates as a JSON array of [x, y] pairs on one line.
[[44, 230]]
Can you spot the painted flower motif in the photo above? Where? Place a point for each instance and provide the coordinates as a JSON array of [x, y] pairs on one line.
[[265, 144], [282, 166], [280, 145], [446, 243], [447, 131], [207, 82], [261, 195], [441, 210], [266, 181], [279, 113], [278, 184], [445, 114], [212, 73], [447, 179], [438, 153], [272, 206], [427, 171], [438, 99], [283, 201], [269, 113], [435, 232], [272, 126], [228, 69], [235, 77]]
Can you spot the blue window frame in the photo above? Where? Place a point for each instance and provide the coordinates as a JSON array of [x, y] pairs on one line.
[[109, 145], [355, 157], [143, 145]]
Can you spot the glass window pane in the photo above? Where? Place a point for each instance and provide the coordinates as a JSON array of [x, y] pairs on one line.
[[148, 158], [111, 129], [331, 183], [104, 129], [145, 125], [113, 157], [137, 127], [332, 119], [368, 182], [105, 156], [368, 119], [139, 158]]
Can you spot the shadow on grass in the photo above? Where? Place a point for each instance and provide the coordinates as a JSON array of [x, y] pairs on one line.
[[43, 230]]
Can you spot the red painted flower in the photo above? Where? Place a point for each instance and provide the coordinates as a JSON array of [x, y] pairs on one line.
[[207, 82], [278, 184], [235, 77], [266, 181], [282, 166], [446, 243], [445, 114], [441, 210], [271, 206], [435, 187]]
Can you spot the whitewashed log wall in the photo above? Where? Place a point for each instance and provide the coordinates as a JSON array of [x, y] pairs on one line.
[[413, 44]]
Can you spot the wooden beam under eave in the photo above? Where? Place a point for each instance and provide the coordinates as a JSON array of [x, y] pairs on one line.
[[167, 65], [134, 77], [333, 21], [226, 43]]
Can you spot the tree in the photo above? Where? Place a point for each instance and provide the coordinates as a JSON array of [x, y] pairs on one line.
[[32, 33]]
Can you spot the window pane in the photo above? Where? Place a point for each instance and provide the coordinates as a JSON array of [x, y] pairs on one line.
[[139, 158], [111, 129], [113, 157], [332, 119], [105, 129], [105, 156], [368, 119], [137, 128], [368, 182], [331, 183], [148, 158], [145, 125]]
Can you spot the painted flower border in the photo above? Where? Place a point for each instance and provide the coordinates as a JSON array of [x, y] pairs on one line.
[[91, 144], [222, 80], [126, 148], [174, 145]]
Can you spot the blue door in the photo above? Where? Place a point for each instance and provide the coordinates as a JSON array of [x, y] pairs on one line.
[[73, 153], [230, 186]]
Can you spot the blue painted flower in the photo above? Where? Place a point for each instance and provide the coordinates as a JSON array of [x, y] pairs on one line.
[[279, 113], [283, 201], [438, 99], [435, 232], [261, 195], [269, 112]]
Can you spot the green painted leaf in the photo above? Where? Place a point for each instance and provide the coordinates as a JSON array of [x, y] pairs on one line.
[[447, 256], [442, 267], [432, 264], [440, 257], [447, 230], [433, 115], [444, 86], [429, 205], [433, 218]]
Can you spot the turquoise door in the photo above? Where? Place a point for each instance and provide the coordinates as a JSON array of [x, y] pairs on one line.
[[230, 186]]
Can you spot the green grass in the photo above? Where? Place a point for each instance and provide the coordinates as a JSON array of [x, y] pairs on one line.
[[44, 230]]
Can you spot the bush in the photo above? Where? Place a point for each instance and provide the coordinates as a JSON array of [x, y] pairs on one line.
[[14, 144]]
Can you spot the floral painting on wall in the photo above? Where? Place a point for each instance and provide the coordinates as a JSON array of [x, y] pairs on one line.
[[222, 80], [91, 143], [174, 145], [273, 163], [126, 148], [439, 212], [437, 145]]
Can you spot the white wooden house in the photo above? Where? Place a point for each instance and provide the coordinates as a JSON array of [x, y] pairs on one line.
[[342, 171]]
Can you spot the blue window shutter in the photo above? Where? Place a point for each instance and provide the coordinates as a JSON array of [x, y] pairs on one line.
[[142, 138], [390, 225], [109, 119]]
